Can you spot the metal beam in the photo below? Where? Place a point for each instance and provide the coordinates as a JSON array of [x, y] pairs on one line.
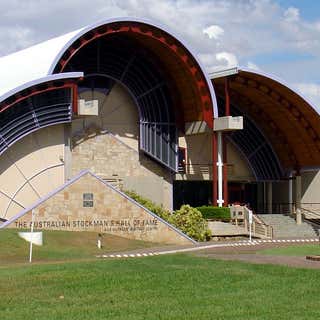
[[223, 73]]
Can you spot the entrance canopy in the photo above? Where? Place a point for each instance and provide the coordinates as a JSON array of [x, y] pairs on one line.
[[282, 119]]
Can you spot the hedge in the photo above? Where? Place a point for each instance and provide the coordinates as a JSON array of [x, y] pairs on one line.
[[215, 213], [158, 210], [189, 220]]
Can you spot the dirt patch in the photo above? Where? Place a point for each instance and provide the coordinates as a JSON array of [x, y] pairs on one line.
[[251, 254]]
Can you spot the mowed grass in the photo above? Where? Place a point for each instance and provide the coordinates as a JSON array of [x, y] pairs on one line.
[[61, 245], [296, 250], [161, 287]]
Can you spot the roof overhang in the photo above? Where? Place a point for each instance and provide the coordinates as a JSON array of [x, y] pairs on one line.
[[46, 79], [290, 122]]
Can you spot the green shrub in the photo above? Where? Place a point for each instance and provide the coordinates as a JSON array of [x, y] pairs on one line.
[[190, 221], [215, 213], [158, 210]]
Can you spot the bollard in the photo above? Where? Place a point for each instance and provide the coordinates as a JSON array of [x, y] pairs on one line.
[[298, 216], [99, 241]]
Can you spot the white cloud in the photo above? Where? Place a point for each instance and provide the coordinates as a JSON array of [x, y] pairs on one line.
[[213, 32], [222, 32], [292, 14], [227, 58], [23, 38]]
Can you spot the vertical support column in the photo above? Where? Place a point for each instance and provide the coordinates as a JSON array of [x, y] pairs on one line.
[[225, 171], [214, 169], [220, 169], [226, 92], [298, 191], [264, 197], [269, 193], [298, 198], [290, 200], [67, 158], [75, 99]]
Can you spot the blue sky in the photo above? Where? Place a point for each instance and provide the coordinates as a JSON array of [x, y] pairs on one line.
[[278, 61], [309, 9], [281, 37]]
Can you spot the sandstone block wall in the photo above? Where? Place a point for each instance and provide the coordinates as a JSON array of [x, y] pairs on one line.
[[108, 145], [108, 157], [104, 210]]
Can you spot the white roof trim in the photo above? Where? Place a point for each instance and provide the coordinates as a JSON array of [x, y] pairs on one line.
[[59, 76], [29, 64], [223, 73]]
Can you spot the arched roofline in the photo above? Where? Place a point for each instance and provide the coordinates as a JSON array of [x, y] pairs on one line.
[[30, 84], [101, 23], [282, 83], [291, 121], [22, 113], [266, 141]]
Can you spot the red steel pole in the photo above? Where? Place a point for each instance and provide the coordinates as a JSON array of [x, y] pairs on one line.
[[75, 99], [226, 92]]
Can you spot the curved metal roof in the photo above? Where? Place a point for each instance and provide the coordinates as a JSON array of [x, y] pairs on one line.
[[30, 64], [289, 121], [35, 105], [54, 77], [19, 68]]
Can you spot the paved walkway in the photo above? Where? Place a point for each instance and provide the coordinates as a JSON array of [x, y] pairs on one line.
[[202, 246], [245, 251]]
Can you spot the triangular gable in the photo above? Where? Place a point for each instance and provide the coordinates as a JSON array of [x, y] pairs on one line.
[[87, 203]]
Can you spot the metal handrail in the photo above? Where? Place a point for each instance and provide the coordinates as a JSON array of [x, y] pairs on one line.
[[259, 228], [313, 214]]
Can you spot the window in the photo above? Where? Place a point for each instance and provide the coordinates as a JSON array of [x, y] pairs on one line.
[[88, 200]]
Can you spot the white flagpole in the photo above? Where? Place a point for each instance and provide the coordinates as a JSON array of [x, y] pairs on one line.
[[31, 236], [250, 225]]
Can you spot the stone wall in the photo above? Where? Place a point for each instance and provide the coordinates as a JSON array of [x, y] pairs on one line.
[[88, 204], [107, 145], [108, 157]]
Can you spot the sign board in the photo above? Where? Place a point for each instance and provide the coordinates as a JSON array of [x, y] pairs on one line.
[[250, 217], [228, 123], [88, 108]]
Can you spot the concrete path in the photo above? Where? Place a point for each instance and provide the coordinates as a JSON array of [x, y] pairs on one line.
[[202, 246]]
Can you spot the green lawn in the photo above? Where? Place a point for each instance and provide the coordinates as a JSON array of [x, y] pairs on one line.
[[61, 245], [162, 287], [298, 250]]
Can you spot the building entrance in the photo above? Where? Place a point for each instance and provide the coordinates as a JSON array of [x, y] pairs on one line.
[[198, 193], [243, 193]]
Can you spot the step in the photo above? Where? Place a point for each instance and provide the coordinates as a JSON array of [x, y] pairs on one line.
[[285, 226]]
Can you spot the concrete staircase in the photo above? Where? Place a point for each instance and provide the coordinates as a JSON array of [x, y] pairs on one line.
[[286, 227]]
